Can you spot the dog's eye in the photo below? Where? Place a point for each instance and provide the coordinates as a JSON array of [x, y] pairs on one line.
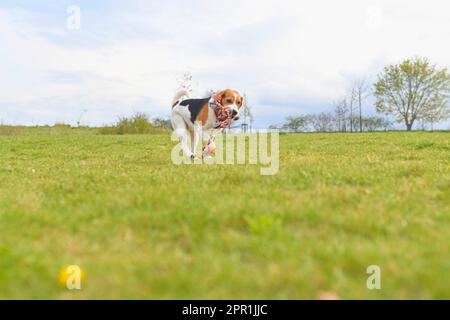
[[229, 101]]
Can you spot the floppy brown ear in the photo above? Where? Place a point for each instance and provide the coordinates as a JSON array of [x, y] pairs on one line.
[[219, 97], [242, 97]]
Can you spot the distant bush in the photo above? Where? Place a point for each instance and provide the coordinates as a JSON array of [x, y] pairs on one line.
[[6, 130], [60, 128], [137, 124], [61, 125]]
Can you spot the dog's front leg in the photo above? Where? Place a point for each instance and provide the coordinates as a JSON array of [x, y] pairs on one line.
[[210, 146]]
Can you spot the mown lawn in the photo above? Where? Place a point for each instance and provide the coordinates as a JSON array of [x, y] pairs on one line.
[[141, 227]]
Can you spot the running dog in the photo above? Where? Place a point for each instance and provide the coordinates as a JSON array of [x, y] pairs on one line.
[[211, 114]]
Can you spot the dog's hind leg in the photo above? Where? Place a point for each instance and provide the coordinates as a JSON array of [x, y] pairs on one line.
[[183, 134], [192, 142], [180, 128]]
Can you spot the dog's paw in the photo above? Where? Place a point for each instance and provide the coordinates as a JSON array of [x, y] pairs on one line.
[[195, 158]]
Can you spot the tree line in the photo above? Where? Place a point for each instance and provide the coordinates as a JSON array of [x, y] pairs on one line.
[[332, 122], [411, 91]]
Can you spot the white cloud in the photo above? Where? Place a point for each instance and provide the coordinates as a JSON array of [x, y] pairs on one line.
[[126, 58]]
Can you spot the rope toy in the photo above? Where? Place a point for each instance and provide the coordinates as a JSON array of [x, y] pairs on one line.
[[223, 119], [223, 114], [210, 149]]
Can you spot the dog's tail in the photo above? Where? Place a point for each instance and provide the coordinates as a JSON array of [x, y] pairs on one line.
[[177, 99]]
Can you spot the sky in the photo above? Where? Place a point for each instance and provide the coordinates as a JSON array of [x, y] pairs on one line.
[[93, 61]]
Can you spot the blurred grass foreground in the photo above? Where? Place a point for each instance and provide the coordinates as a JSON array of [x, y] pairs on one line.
[[142, 227]]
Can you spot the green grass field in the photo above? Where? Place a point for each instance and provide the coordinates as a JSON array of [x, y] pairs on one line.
[[141, 227]]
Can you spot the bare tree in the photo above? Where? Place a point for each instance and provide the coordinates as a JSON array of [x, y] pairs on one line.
[[322, 122], [360, 92], [350, 103], [340, 110], [81, 115], [247, 114], [337, 112]]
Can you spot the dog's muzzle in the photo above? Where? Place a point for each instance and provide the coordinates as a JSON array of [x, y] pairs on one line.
[[235, 115]]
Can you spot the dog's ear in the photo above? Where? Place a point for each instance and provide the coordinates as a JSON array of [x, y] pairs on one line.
[[241, 97], [219, 97], [242, 101]]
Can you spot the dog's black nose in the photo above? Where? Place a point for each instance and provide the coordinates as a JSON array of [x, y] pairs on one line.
[[235, 113]]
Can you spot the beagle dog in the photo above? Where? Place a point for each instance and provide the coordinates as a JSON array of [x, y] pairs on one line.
[[189, 115]]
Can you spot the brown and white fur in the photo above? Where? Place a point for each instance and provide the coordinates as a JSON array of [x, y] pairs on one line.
[[190, 115]]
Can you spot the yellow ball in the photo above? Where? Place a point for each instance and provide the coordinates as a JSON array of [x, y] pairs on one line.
[[71, 277]]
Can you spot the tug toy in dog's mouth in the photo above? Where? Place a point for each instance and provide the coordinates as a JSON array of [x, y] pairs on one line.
[[210, 149], [223, 116]]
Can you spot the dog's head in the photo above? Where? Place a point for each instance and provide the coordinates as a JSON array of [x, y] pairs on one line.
[[232, 99]]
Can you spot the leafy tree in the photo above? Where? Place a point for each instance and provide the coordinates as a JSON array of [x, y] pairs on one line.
[[275, 127], [295, 124], [413, 89], [375, 123]]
